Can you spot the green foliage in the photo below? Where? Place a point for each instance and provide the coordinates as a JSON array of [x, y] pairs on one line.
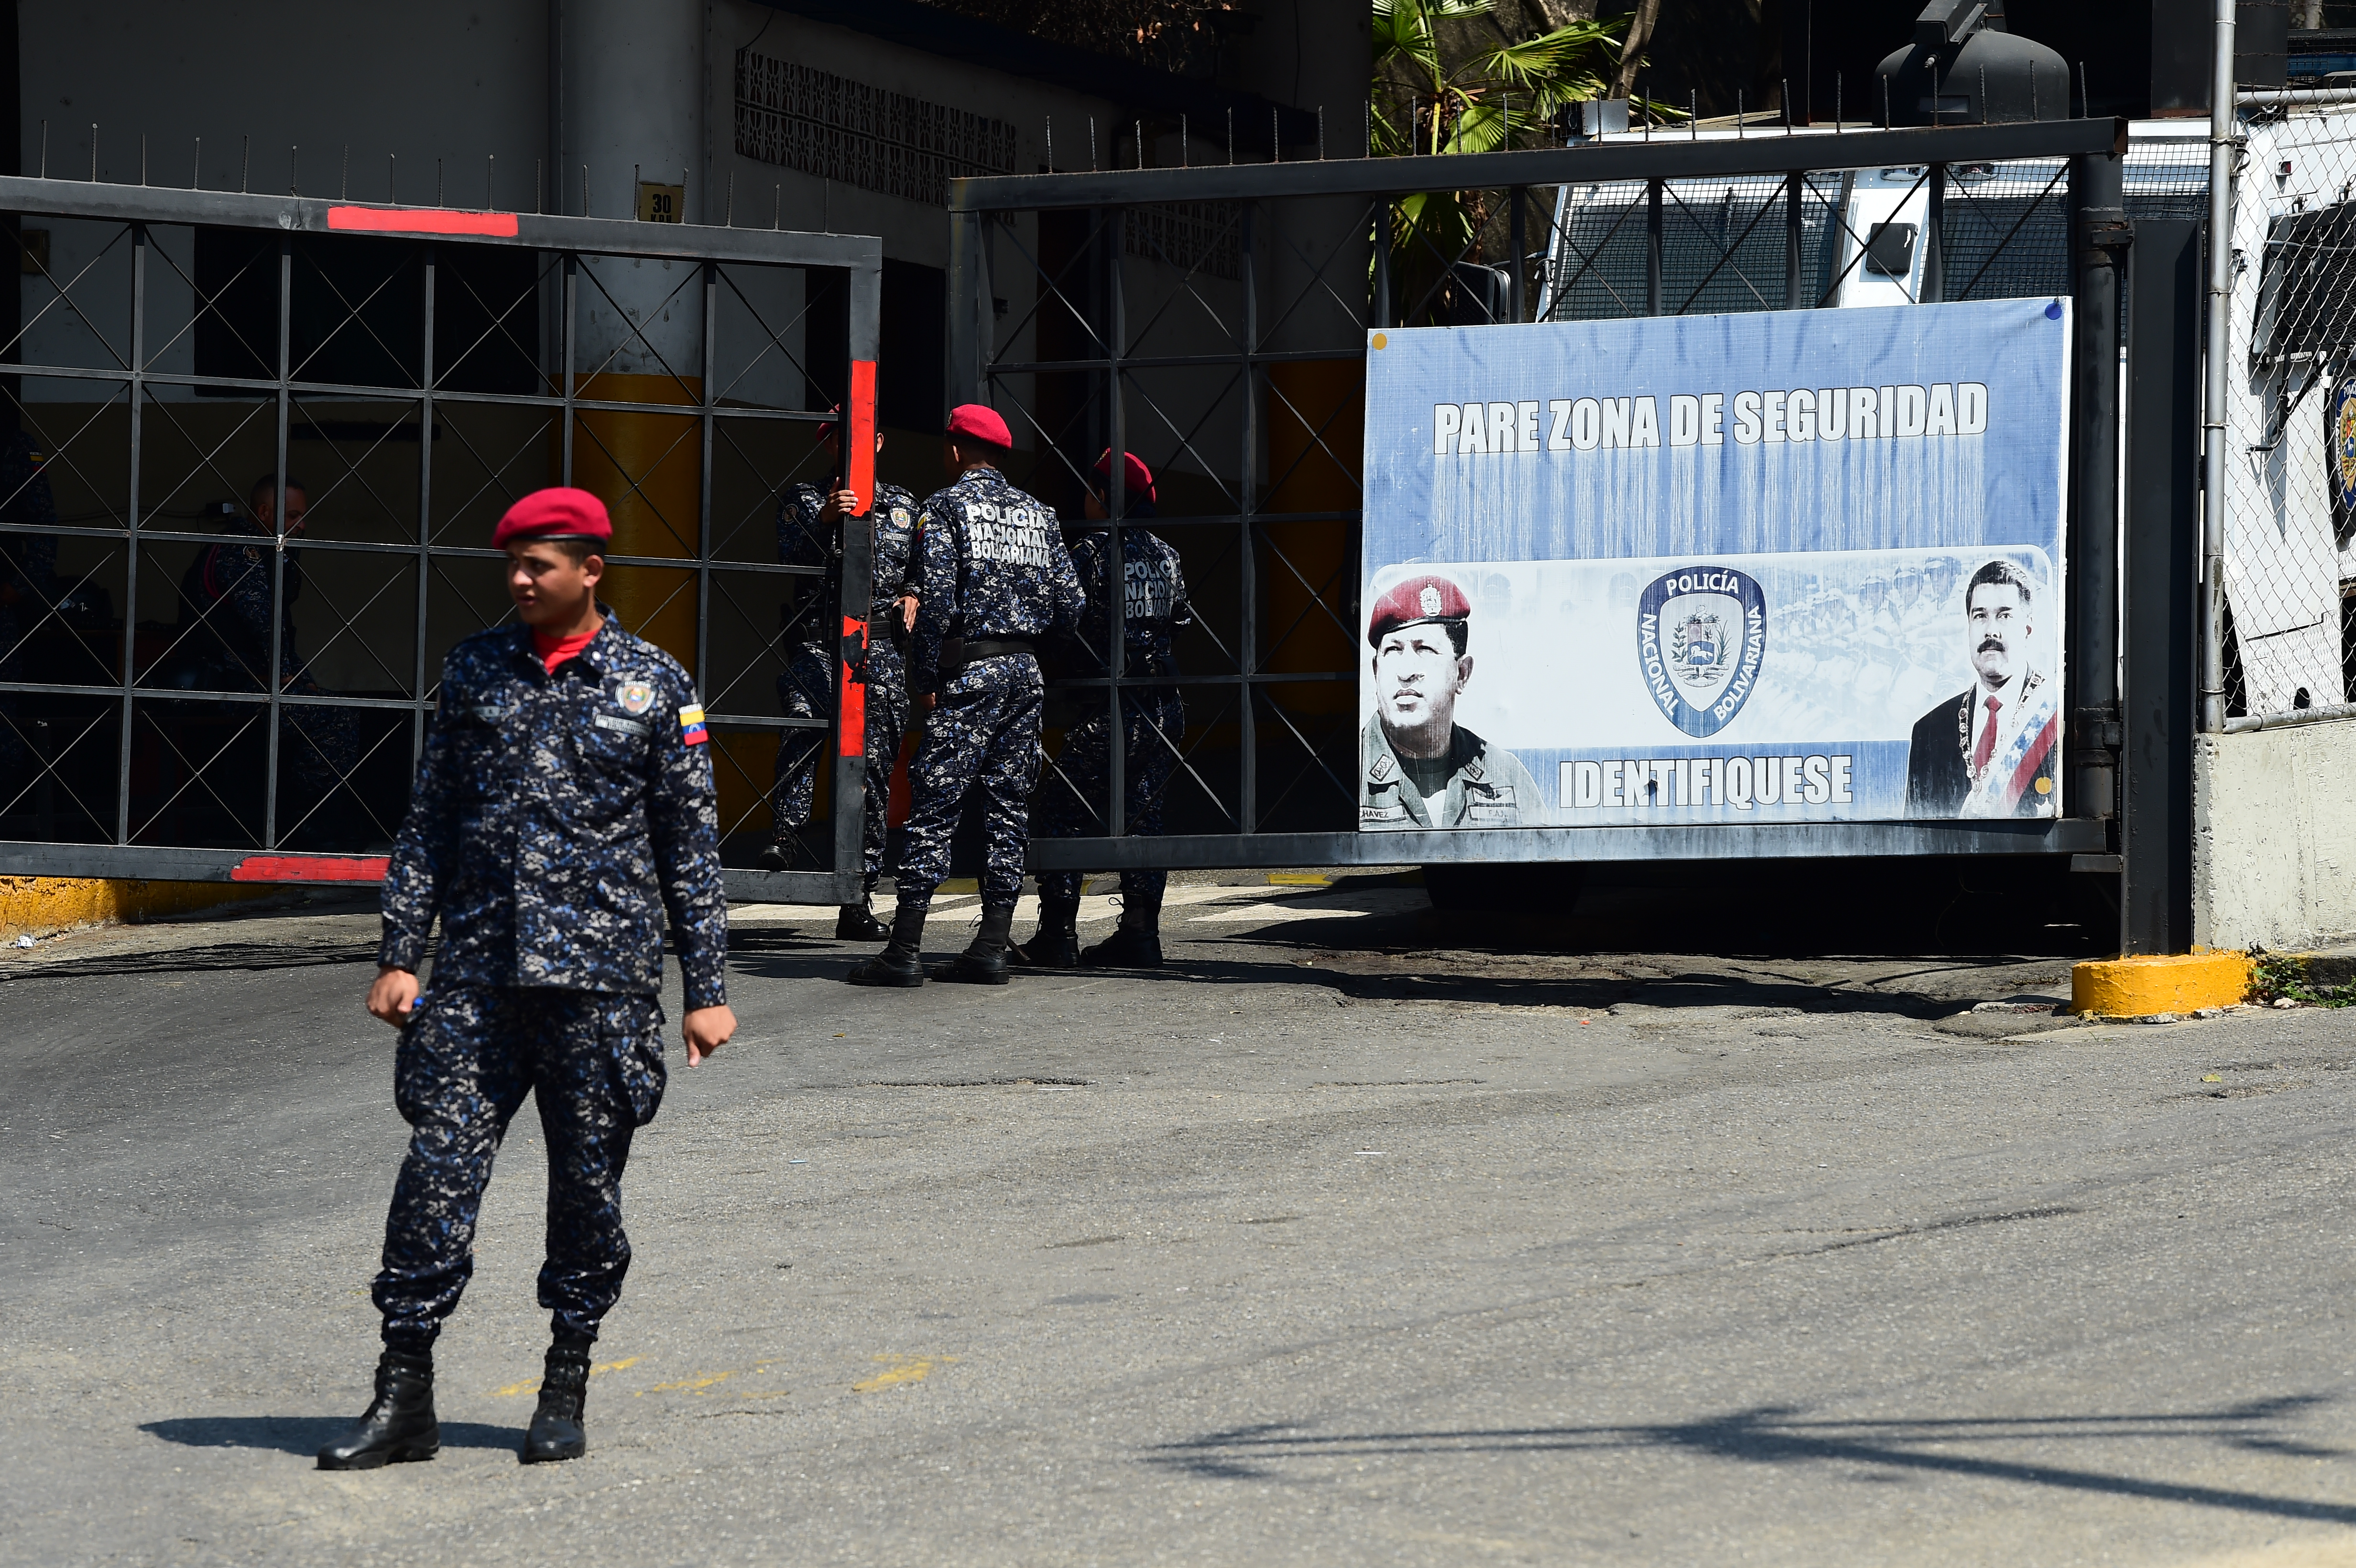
[[1447, 78], [2283, 976]]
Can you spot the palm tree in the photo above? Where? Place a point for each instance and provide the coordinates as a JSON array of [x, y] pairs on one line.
[[1449, 78]]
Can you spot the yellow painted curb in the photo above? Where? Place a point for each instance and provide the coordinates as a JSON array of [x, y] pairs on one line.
[[35, 906], [2158, 983]]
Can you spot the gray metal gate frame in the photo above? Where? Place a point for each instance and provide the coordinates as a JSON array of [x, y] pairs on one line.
[[569, 239], [2095, 149]]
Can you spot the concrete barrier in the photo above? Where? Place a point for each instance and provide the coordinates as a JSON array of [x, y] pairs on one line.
[[37, 906], [2142, 987], [2274, 837]]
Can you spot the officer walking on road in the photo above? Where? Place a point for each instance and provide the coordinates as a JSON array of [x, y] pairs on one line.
[[996, 580], [564, 805], [809, 533], [1153, 605]]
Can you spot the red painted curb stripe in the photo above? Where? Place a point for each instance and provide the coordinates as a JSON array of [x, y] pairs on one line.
[[421, 221], [310, 868]]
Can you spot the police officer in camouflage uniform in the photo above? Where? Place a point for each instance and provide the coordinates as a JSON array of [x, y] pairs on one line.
[[564, 806], [1072, 801], [809, 533], [224, 643], [996, 579]]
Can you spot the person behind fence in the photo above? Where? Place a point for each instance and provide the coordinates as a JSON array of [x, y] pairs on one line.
[[996, 579], [1422, 769], [1989, 751], [809, 533], [29, 593], [564, 806], [224, 641], [1072, 799]]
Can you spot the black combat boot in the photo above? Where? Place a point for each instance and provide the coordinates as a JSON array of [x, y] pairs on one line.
[[857, 923], [1137, 944], [399, 1425], [556, 1431], [778, 856], [901, 962], [1056, 943], [984, 963]]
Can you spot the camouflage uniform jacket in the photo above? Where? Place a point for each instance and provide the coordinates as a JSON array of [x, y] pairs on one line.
[[994, 566], [556, 817], [227, 588], [1487, 787], [1154, 601], [803, 540]]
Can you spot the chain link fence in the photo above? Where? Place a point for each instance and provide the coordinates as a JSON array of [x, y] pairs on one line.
[[2290, 416]]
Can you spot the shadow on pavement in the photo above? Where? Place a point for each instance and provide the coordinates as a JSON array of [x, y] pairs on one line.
[[307, 1434], [1776, 1435]]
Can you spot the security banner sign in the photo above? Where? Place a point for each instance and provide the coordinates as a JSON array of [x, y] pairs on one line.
[[1790, 566]]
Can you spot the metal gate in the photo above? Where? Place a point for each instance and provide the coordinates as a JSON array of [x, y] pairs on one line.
[[262, 441], [1215, 320]]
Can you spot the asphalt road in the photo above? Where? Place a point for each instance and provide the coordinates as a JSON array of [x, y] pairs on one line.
[[1325, 1245]]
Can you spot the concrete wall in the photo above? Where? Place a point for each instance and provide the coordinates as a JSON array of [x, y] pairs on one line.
[[2274, 837]]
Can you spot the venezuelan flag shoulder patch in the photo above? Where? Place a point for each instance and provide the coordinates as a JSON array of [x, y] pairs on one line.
[[691, 726]]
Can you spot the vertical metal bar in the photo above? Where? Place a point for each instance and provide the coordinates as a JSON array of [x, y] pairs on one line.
[[2091, 678], [1248, 533], [1653, 247], [968, 346], [1934, 230], [1518, 229], [1116, 497], [425, 512], [2222, 127], [271, 683], [704, 506], [864, 306], [565, 387], [1796, 187], [131, 543], [1382, 263]]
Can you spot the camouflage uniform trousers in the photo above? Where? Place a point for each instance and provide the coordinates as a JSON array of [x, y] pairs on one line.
[[982, 733], [1073, 802], [594, 1059], [806, 691]]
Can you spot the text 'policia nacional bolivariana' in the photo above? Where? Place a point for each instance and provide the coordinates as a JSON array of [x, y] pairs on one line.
[[1706, 418]]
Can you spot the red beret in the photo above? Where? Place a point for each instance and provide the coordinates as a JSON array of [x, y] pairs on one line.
[[554, 514], [1139, 478], [981, 422], [1414, 601]]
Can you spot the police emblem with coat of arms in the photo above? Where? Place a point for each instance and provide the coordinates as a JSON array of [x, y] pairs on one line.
[[634, 697], [1701, 636]]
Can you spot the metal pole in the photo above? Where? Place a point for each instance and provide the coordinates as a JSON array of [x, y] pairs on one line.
[[1653, 247], [1115, 561], [425, 514], [1934, 250], [131, 562], [1795, 187], [278, 551], [704, 508], [1518, 228], [2222, 138], [2104, 236], [1382, 262], [1247, 525]]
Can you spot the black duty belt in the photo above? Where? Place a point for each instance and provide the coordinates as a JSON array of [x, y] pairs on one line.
[[993, 648]]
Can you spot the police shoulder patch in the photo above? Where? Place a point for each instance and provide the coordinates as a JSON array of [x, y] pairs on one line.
[[691, 725]]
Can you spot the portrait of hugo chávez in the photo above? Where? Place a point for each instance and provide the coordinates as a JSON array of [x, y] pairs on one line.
[[1989, 751], [1422, 769]]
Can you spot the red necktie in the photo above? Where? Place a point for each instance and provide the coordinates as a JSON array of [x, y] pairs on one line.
[[1986, 748]]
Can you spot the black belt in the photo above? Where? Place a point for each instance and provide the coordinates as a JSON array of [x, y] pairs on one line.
[[971, 649]]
